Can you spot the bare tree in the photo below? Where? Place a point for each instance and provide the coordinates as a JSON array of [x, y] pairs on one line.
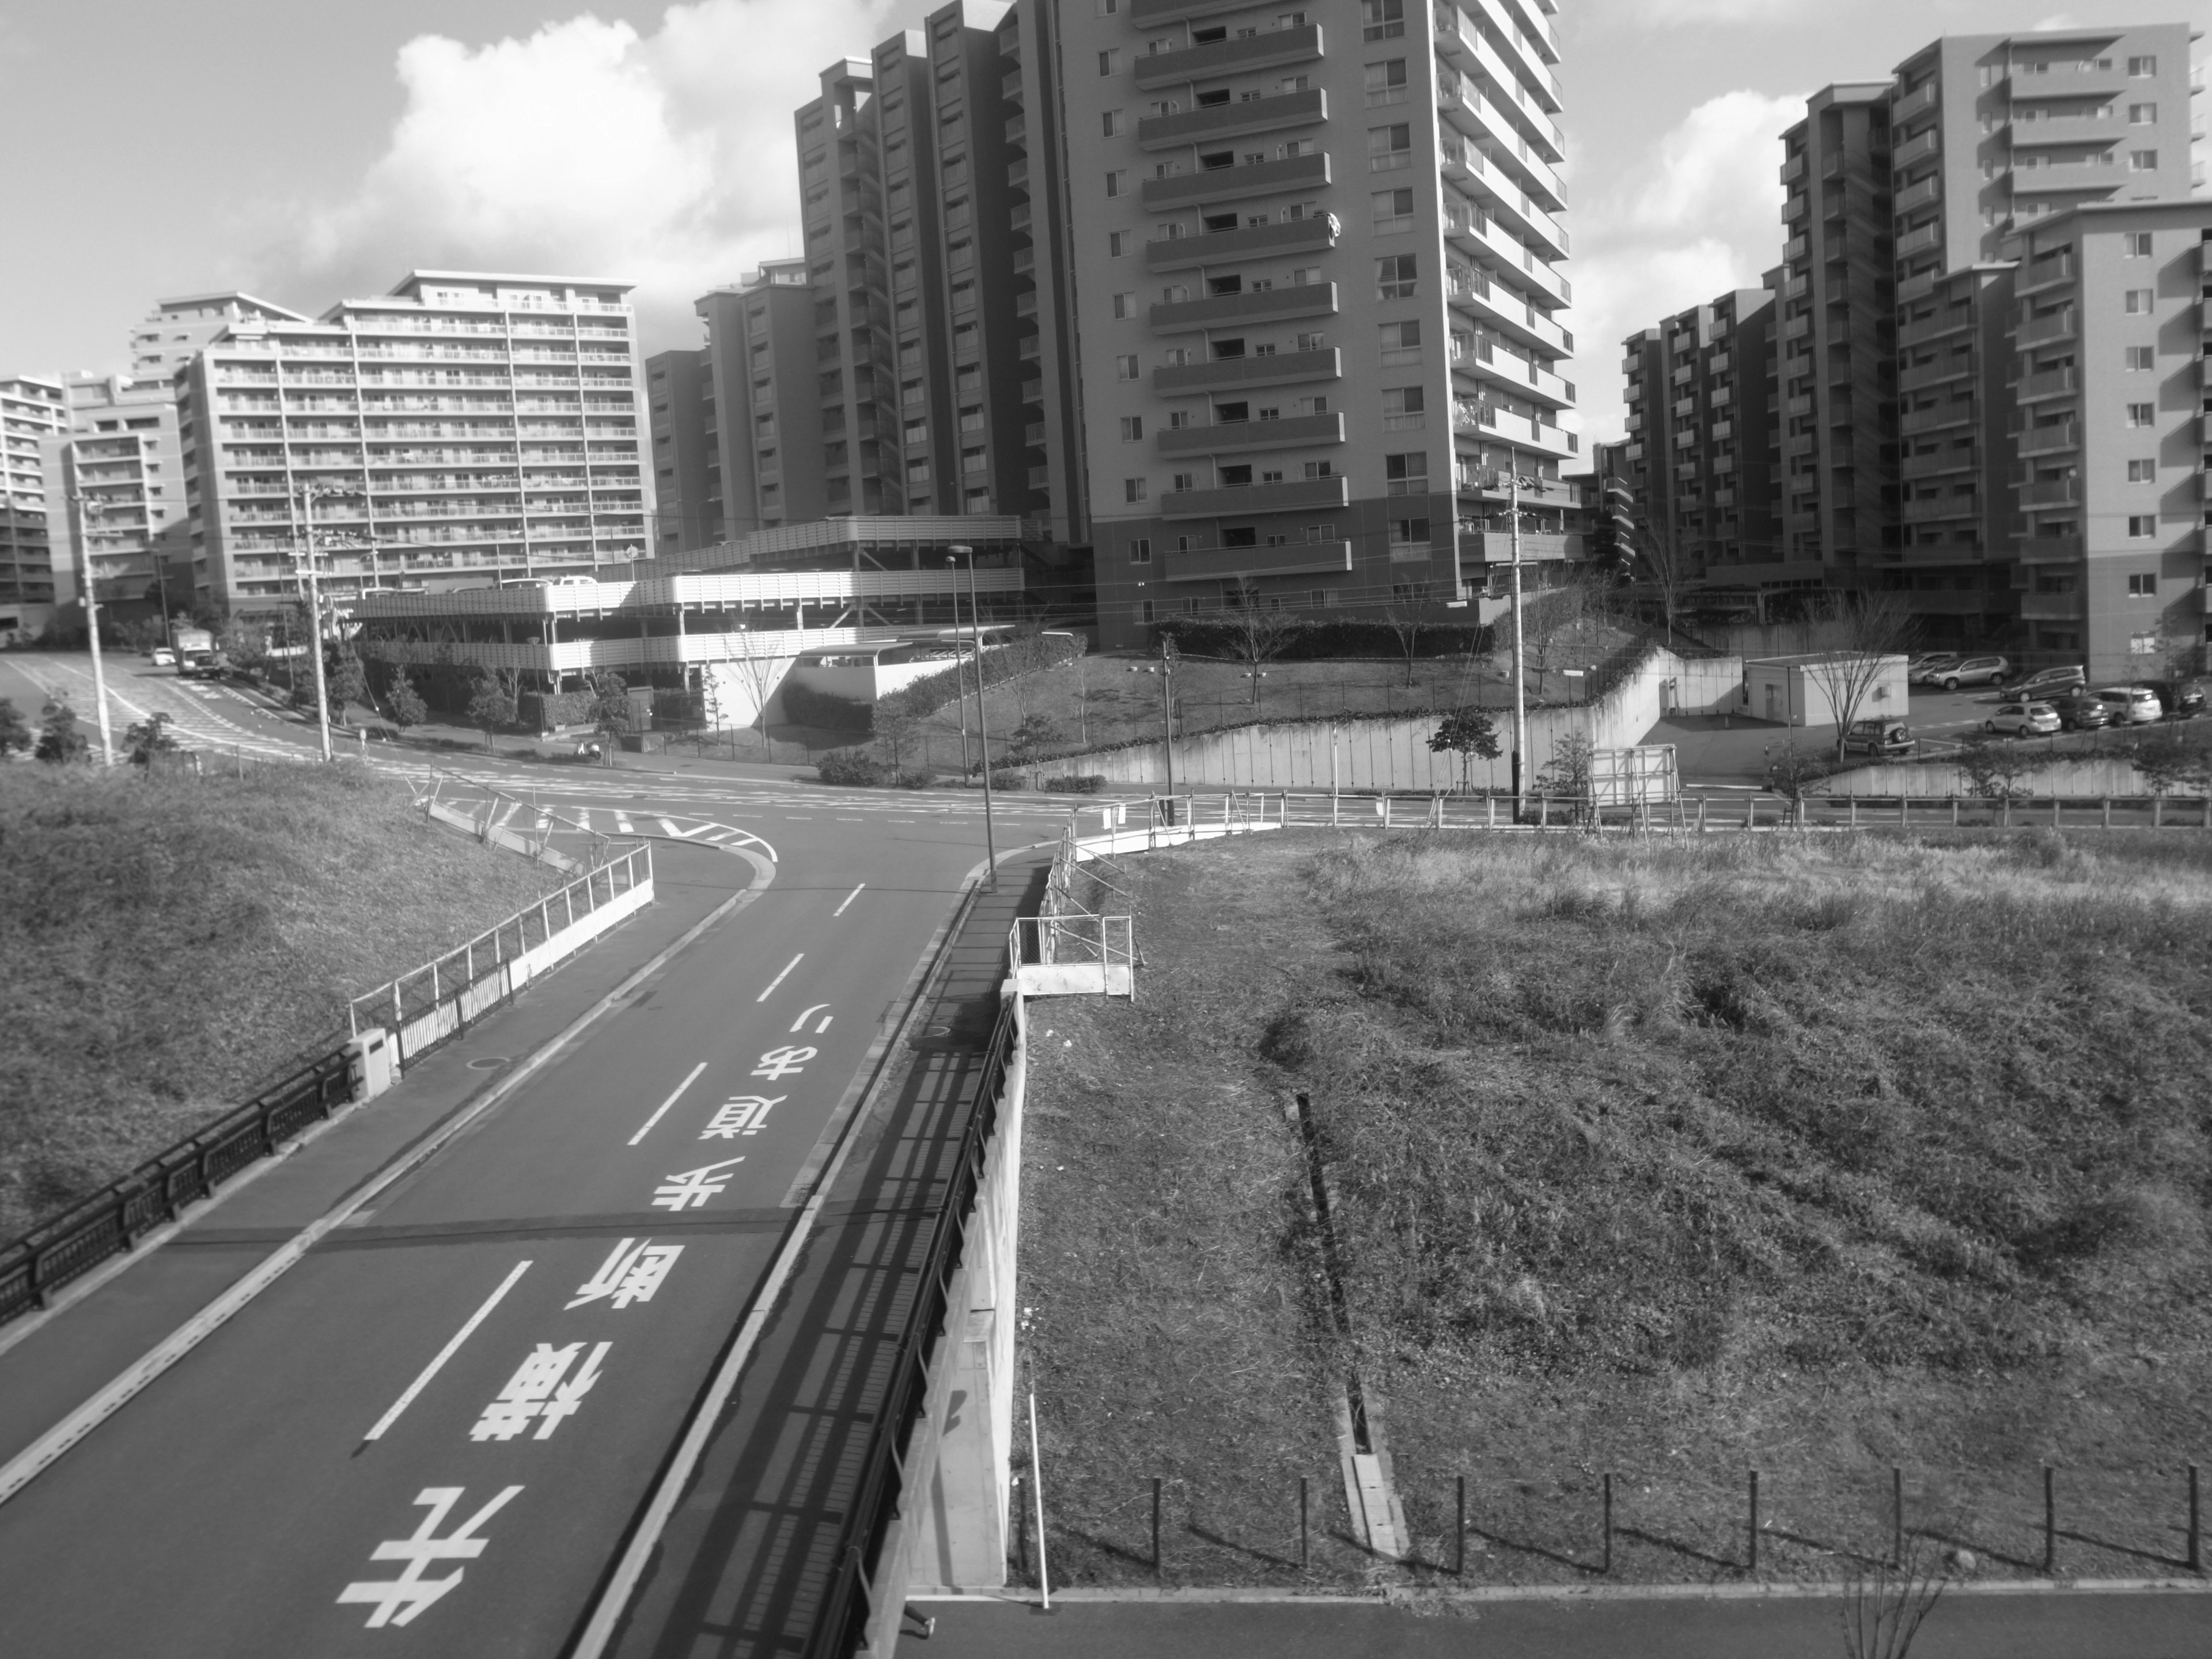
[[1407, 620], [1565, 624], [1659, 551], [1256, 636], [755, 670], [1848, 638], [1883, 1610]]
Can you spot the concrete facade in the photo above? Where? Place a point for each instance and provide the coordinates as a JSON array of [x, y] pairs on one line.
[[1326, 320], [122, 454], [2112, 410], [480, 426], [764, 461], [32, 411], [680, 407]]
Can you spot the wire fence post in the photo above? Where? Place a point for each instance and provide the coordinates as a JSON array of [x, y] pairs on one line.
[[1159, 1571], [1896, 1517], [2049, 1521], [1459, 1531], [1305, 1556], [2195, 1562], [1752, 1554], [1608, 1481]]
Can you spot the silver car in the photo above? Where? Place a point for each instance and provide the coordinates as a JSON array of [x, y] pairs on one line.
[[2131, 705], [1971, 670]]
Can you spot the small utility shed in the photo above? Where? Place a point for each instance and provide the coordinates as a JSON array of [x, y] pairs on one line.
[[1807, 690]]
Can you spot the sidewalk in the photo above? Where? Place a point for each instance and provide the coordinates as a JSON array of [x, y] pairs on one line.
[[2046, 1624], [53, 1363]]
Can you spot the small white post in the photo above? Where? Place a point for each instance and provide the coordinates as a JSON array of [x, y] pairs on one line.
[[1036, 1486]]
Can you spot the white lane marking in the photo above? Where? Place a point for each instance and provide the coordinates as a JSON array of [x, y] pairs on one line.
[[446, 1353], [808, 1014], [689, 1080], [779, 979], [824, 1025], [621, 823], [849, 898]]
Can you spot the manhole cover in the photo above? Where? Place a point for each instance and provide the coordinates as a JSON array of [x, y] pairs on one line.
[[488, 1063]]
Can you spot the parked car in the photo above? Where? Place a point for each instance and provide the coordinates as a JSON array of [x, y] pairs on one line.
[[1970, 670], [162, 657], [2182, 700], [2045, 684], [1878, 737], [2023, 719], [1923, 671], [2131, 705], [2083, 712]]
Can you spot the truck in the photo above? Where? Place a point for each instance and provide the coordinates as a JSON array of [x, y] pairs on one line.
[[195, 649]]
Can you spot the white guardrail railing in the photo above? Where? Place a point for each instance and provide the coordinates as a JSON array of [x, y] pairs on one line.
[[424, 1007]]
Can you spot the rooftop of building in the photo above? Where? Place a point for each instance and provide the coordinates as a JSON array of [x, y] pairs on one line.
[[414, 279], [223, 301]]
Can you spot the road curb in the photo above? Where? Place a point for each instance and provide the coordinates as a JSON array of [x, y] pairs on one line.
[[1429, 1595], [42, 1453]]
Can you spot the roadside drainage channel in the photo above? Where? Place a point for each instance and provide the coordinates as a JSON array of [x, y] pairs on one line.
[[1370, 1493]]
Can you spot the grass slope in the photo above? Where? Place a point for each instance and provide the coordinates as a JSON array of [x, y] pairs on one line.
[[166, 943], [1679, 1158]]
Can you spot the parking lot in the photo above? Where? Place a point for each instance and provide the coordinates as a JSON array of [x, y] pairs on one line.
[[1733, 749]]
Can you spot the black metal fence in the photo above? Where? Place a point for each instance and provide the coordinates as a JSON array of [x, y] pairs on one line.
[[853, 1595], [113, 1219]]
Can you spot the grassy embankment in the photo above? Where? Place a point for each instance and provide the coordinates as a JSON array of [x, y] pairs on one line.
[[166, 943], [1670, 1159]]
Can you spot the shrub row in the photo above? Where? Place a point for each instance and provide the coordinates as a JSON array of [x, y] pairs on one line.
[[804, 706], [1307, 639]]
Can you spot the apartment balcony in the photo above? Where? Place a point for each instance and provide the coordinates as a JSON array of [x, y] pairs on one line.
[[1485, 360], [1228, 437], [1487, 421], [1918, 103], [2036, 276], [1530, 59], [1279, 368], [1915, 149], [2064, 130], [1246, 242], [1496, 547], [1469, 227], [1229, 564], [1501, 150], [1795, 250], [1793, 169], [1920, 195], [1796, 207], [2063, 83], [1949, 366], [2061, 325], [1182, 189], [2054, 492], [1233, 120], [1501, 309], [1913, 241], [2049, 440], [1236, 310], [1143, 14], [2051, 383], [1462, 45], [1243, 55], [1940, 463], [1303, 495], [2071, 177]]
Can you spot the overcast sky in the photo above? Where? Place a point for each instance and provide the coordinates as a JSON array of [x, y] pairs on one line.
[[307, 153]]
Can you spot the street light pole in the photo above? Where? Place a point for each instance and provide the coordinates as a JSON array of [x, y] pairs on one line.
[[307, 495], [982, 732], [87, 510], [1520, 671]]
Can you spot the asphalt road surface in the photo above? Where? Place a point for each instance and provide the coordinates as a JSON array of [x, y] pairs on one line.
[[431, 1434]]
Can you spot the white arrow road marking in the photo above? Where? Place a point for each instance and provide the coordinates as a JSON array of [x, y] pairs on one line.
[[779, 979], [689, 1080], [446, 1353], [808, 1014], [849, 898]]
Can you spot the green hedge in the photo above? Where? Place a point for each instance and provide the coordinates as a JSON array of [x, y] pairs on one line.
[[804, 706], [1309, 639], [542, 711], [445, 687]]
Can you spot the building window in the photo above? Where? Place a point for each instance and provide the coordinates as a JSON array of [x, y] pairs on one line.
[[2141, 68], [2142, 585], [1133, 489], [1144, 612], [2137, 245], [1406, 475], [1386, 82], [1382, 19], [1125, 367], [1390, 148], [1109, 62], [1140, 550], [1318, 469], [1125, 305], [1117, 182], [1403, 408], [1117, 243], [1408, 533], [2140, 525], [2141, 414], [1115, 122], [2142, 115], [1394, 277], [2142, 160], [1401, 343], [2139, 302], [2140, 358], [1132, 429], [1394, 211], [2143, 471]]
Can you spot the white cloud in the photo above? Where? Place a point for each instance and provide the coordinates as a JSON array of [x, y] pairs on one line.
[[1672, 14], [589, 148], [1702, 214]]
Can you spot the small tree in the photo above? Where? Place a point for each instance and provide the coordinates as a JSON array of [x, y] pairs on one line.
[[2167, 758], [1466, 732], [491, 706], [61, 741], [1850, 637], [346, 681], [895, 725], [1035, 734], [1995, 769], [405, 703], [15, 735], [1572, 769], [610, 710], [148, 738], [1256, 636], [1660, 554], [1794, 771], [1565, 624], [1406, 620]]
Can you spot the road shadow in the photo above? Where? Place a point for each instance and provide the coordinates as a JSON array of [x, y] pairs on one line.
[[1675, 1546], [1104, 1546], [1245, 1550], [1504, 1543], [1938, 1536], [1827, 1549], [2095, 1542]]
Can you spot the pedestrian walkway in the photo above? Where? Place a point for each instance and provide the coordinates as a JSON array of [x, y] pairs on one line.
[[747, 1558]]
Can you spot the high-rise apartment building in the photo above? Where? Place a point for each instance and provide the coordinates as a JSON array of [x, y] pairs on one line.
[[768, 460], [1700, 421], [122, 460], [175, 330], [1321, 303], [680, 409], [464, 426], [2110, 406], [32, 411], [1837, 333]]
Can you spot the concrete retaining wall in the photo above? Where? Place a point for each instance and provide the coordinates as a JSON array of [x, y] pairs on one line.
[[2089, 779]]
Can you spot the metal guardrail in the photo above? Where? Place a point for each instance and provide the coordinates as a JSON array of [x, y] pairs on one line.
[[850, 1603], [111, 1220]]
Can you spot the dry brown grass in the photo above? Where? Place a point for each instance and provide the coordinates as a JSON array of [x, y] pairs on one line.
[[166, 943], [1816, 1155]]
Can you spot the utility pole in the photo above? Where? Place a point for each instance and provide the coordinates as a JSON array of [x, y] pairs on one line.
[[309, 494], [1519, 674], [1167, 709], [88, 509], [983, 730]]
